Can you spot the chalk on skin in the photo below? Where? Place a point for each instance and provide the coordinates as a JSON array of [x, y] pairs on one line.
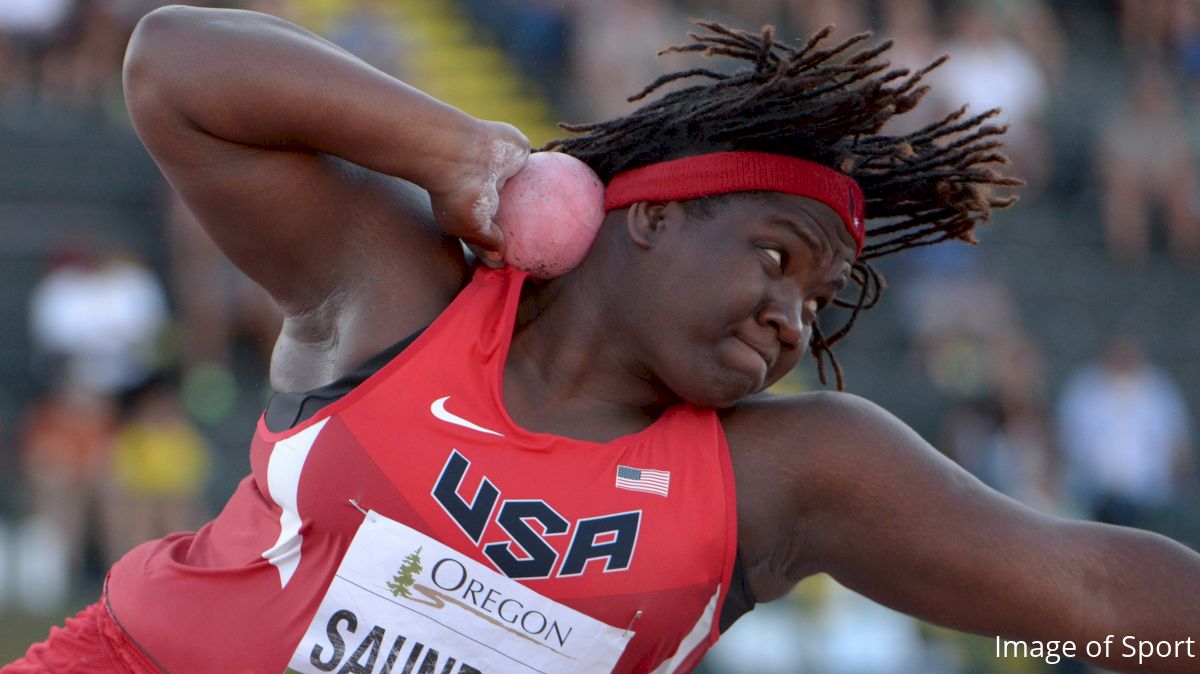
[[550, 212]]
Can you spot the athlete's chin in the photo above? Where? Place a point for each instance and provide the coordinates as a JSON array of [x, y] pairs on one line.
[[716, 380], [724, 392], [739, 386]]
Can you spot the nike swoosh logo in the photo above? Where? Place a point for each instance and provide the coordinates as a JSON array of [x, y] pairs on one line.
[[439, 410]]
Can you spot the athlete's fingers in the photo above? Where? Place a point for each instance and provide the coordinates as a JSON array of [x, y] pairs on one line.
[[489, 258]]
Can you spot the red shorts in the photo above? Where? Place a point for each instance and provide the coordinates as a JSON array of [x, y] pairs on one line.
[[90, 643]]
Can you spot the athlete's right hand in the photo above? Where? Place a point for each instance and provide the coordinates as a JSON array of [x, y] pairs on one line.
[[466, 199]]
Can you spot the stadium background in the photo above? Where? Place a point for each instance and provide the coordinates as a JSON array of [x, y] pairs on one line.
[[132, 367]]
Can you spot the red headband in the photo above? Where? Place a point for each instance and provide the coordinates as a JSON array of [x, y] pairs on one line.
[[707, 175]]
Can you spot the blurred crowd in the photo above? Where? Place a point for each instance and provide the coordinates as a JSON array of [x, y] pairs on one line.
[[135, 360]]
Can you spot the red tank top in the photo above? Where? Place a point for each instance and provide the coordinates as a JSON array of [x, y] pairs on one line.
[[413, 526]]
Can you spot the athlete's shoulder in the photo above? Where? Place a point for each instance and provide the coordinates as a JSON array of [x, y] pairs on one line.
[[791, 456], [809, 468], [822, 435], [768, 420]]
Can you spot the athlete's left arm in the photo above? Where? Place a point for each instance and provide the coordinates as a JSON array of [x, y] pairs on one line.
[[832, 483]]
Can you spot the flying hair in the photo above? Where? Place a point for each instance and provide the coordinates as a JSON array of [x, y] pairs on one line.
[[827, 104]]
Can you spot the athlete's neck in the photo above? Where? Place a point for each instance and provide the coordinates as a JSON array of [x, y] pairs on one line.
[[568, 368]]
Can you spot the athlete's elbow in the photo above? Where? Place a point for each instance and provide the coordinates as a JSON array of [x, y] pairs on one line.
[[154, 59], [147, 51], [160, 28]]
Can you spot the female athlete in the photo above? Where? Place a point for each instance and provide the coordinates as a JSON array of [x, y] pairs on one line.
[[464, 470]]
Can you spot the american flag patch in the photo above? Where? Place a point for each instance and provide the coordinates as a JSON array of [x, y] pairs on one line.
[[642, 479]]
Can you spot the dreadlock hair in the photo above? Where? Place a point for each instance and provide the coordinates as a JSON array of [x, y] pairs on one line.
[[826, 104]]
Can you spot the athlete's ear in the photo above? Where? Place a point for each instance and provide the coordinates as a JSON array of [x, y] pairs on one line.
[[647, 221]]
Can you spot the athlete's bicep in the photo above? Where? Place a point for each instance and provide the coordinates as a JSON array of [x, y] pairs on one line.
[[866, 500]]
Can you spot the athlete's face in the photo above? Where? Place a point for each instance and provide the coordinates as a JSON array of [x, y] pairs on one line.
[[737, 289]]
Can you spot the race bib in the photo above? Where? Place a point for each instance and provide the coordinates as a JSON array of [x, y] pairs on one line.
[[403, 603]]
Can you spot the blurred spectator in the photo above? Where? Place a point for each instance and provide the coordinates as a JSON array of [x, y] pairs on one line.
[[95, 325], [98, 322], [65, 441], [1126, 432], [160, 464], [991, 70], [1146, 168]]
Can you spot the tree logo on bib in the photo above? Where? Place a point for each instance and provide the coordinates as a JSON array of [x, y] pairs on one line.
[[454, 585], [404, 577]]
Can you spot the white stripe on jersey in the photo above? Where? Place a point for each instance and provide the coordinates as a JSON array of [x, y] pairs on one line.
[[694, 638], [283, 482]]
